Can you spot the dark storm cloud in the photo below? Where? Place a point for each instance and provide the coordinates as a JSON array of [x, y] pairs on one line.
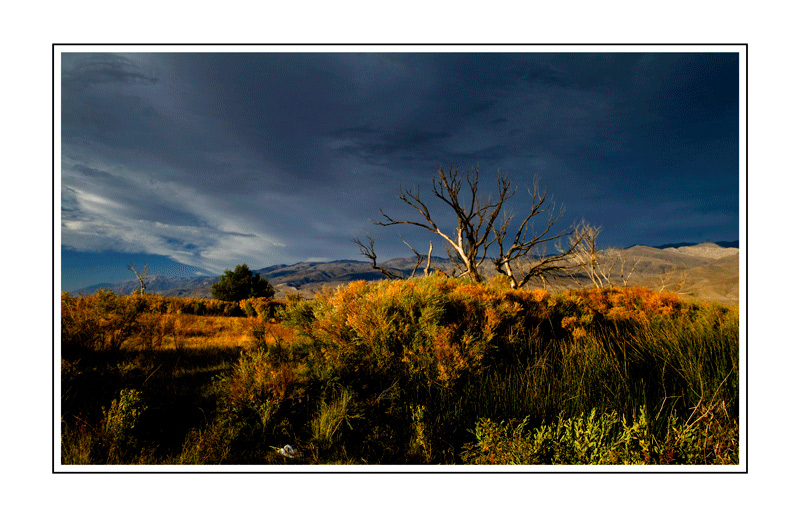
[[88, 70], [380, 146], [218, 159]]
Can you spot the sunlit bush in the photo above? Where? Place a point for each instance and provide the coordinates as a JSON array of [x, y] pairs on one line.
[[436, 328], [102, 321]]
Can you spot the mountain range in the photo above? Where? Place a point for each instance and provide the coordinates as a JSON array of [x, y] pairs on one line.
[[706, 271]]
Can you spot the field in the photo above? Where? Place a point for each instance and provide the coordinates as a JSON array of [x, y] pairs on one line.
[[427, 371]]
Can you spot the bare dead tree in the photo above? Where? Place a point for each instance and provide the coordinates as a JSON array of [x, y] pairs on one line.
[[475, 217], [587, 255], [623, 275], [526, 257], [141, 276], [601, 265], [522, 254], [670, 279]]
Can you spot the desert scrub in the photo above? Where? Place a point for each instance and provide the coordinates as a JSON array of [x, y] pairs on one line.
[[464, 350], [433, 370], [98, 322], [265, 309], [256, 384], [106, 322], [114, 440], [434, 330], [259, 401]]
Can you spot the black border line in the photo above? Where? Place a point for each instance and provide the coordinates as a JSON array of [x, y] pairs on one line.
[[117, 44], [741, 52], [746, 270], [53, 256]]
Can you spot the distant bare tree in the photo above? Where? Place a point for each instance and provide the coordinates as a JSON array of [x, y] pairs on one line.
[[601, 265], [140, 276], [588, 255], [670, 279], [522, 254], [625, 275]]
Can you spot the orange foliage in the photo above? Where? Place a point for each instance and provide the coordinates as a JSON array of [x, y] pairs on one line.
[[442, 327], [453, 356], [637, 303], [106, 321]]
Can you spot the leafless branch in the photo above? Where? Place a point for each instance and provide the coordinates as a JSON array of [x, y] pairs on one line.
[[368, 250], [525, 257], [428, 264], [420, 258], [669, 282]]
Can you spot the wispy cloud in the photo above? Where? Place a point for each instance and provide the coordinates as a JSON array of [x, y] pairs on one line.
[[88, 70], [135, 214]]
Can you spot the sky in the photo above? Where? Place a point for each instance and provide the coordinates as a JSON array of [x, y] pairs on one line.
[[195, 162]]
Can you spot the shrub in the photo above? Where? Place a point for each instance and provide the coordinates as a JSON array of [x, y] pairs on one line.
[[709, 436], [435, 329], [254, 380], [102, 321], [211, 446], [461, 349], [266, 309], [239, 284], [124, 414]]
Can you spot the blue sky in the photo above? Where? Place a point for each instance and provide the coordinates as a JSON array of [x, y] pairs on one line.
[[196, 162]]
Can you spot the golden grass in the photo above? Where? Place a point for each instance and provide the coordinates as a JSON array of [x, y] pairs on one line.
[[193, 331], [189, 331]]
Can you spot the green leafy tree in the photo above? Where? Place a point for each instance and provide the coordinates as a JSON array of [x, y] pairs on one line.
[[239, 284]]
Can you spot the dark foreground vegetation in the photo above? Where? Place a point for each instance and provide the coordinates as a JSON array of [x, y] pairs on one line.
[[428, 371]]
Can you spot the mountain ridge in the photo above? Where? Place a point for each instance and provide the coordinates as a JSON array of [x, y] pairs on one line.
[[723, 244], [705, 271]]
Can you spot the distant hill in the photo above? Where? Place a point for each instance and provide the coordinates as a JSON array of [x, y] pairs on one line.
[[706, 271], [306, 278], [723, 244], [199, 287]]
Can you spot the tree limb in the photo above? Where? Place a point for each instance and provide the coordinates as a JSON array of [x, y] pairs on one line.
[[368, 250]]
